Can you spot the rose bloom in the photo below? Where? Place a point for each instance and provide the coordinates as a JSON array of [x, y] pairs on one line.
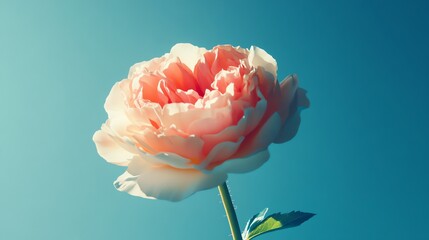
[[182, 122]]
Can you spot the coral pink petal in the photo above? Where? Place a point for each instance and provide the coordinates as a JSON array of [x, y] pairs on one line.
[[187, 147], [220, 120], [149, 88], [203, 73], [189, 96], [214, 117], [167, 92], [232, 133], [226, 56], [180, 75]]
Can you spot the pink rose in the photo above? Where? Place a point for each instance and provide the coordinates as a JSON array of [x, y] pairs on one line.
[[182, 122]]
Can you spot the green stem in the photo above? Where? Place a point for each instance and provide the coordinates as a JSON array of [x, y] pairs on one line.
[[230, 212]]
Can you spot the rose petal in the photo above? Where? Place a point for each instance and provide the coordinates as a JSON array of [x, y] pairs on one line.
[[116, 100], [188, 53], [147, 67], [227, 56], [203, 73], [226, 77], [288, 88], [215, 115], [188, 147], [110, 149], [290, 128], [260, 58], [128, 183], [163, 182], [180, 75], [260, 138], [247, 123], [189, 96], [147, 90], [166, 158], [220, 153], [245, 164]]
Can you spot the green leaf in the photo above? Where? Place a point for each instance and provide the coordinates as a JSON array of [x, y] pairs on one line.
[[259, 224]]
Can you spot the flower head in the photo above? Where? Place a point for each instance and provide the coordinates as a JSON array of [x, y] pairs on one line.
[[182, 122]]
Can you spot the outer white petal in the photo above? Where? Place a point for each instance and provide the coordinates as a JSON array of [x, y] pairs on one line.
[[188, 54], [110, 149], [259, 58], [163, 182], [153, 65], [128, 183], [116, 100], [245, 164]]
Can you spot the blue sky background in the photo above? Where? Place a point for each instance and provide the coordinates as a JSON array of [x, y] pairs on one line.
[[360, 159]]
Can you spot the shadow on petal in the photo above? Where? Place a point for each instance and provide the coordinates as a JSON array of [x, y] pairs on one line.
[[291, 126]]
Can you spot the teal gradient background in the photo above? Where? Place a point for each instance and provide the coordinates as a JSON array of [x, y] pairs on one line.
[[360, 159]]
